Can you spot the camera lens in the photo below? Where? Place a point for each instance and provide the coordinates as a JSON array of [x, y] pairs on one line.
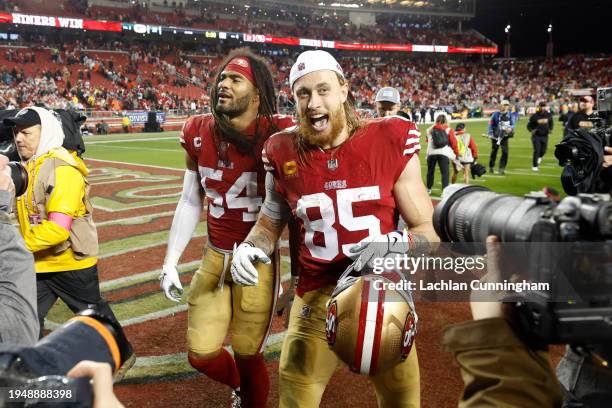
[[471, 213], [20, 178]]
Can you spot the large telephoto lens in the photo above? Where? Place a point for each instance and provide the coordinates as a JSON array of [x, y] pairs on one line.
[[20, 178], [471, 213]]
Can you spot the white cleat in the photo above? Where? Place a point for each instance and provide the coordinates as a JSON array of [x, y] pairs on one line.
[[535, 169]]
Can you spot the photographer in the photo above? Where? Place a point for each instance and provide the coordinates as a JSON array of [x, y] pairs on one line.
[[499, 370], [18, 320], [501, 128], [540, 125], [55, 216]]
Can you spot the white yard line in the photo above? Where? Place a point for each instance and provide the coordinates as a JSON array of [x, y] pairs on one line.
[[131, 140], [136, 164], [134, 220]]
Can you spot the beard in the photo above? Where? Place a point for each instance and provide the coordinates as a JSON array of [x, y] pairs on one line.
[[337, 122], [234, 108]]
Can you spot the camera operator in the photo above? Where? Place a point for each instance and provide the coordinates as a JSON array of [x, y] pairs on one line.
[[499, 370], [586, 117], [55, 216], [540, 125], [18, 320], [501, 128]]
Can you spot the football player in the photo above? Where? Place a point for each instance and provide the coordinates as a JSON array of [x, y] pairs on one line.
[[224, 169], [343, 181]]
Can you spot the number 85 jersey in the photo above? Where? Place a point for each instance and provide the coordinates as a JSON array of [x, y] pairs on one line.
[[234, 187], [340, 196]]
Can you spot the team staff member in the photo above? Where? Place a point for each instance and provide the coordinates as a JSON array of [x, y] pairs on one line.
[[387, 102], [586, 117], [540, 125], [223, 157], [55, 217], [323, 173]]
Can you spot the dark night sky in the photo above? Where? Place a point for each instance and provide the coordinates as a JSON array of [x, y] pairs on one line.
[[579, 26]]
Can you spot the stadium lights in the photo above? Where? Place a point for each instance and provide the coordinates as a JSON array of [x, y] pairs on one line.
[[549, 28], [507, 29], [351, 5]]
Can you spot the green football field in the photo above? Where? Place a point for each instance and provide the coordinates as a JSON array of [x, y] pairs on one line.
[[162, 149]]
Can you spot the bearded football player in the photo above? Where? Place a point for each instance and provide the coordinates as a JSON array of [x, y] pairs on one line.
[[224, 169], [345, 183]]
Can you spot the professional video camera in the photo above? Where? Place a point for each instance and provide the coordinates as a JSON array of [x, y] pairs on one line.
[[36, 376], [566, 245], [73, 140], [581, 152]]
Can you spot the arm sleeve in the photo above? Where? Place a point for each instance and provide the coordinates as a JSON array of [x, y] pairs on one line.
[[473, 147], [188, 136], [18, 316], [274, 206], [498, 369], [530, 124], [66, 198], [404, 142], [453, 142], [186, 218]]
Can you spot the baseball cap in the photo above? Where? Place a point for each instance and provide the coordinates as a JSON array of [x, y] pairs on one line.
[[25, 117], [586, 98], [505, 102], [311, 61], [388, 94]]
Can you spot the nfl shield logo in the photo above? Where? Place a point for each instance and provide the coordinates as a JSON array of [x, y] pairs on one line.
[[301, 66]]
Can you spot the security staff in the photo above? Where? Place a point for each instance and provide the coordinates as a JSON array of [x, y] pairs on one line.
[[540, 125]]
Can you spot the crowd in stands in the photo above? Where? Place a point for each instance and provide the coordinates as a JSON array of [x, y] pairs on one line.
[[256, 20], [134, 77]]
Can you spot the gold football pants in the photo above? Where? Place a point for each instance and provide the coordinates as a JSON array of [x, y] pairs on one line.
[[307, 363], [214, 309]]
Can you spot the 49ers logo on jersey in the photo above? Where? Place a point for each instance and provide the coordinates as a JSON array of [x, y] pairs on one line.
[[331, 323], [408, 335]]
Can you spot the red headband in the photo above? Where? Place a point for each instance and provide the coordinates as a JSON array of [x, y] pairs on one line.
[[242, 66]]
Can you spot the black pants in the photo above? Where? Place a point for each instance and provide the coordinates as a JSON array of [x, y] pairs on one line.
[[540, 143], [443, 162], [78, 289], [504, 157]]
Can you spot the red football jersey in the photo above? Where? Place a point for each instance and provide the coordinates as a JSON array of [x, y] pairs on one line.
[[234, 187], [343, 195]]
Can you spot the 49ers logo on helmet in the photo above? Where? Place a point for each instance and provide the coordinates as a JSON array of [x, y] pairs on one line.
[[408, 336], [331, 323]]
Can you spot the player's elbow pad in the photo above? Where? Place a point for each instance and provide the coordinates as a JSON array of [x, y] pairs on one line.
[[186, 218]]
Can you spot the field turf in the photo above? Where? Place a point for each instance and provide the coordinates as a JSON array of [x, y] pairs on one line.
[[162, 149]]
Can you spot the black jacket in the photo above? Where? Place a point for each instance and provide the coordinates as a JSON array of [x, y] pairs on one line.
[[540, 123]]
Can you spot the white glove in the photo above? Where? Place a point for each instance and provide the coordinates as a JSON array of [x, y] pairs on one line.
[[243, 271], [382, 246], [170, 283]]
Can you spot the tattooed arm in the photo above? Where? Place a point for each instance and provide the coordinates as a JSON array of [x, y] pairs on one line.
[[260, 243]]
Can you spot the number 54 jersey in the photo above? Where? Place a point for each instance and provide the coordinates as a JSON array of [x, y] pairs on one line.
[[340, 196], [233, 182]]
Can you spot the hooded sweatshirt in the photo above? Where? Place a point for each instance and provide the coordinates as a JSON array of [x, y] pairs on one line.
[[65, 197]]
